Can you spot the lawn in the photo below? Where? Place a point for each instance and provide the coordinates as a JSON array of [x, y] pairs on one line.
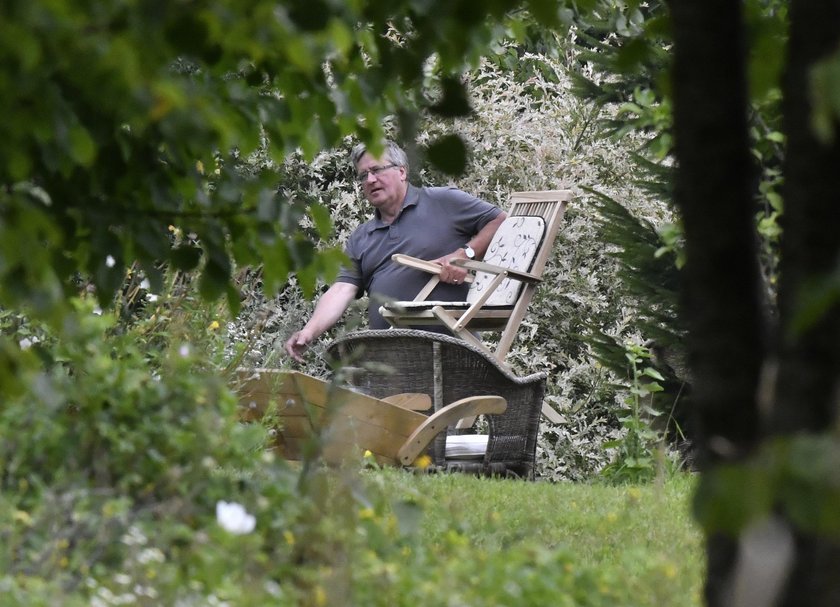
[[470, 541]]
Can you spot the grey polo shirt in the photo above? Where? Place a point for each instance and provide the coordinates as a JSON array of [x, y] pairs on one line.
[[433, 222]]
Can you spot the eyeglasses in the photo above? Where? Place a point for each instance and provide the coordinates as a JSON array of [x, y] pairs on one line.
[[363, 176]]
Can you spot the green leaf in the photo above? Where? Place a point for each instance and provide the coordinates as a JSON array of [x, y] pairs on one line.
[[454, 103], [546, 12], [651, 372], [321, 217], [729, 497], [331, 261], [185, 257], [82, 147], [214, 280], [448, 154], [276, 265]]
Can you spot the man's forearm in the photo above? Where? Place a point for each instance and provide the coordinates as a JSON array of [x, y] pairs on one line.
[[330, 308]]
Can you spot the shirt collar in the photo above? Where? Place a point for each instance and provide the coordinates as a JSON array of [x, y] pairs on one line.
[[412, 196]]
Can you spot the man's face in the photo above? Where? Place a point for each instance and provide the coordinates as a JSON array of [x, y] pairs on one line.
[[383, 188]]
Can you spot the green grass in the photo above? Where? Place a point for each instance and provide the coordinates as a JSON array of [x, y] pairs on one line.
[[501, 542]]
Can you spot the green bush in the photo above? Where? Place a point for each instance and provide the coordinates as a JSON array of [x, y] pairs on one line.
[[122, 428]]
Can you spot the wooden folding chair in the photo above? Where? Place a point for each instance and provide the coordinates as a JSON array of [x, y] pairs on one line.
[[504, 282]]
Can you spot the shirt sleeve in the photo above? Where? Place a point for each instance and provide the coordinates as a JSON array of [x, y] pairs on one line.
[[351, 273], [467, 212]]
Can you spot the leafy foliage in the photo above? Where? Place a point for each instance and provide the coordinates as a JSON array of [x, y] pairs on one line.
[[130, 118]]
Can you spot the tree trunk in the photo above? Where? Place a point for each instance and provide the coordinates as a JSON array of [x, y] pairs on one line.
[[807, 389], [713, 190]]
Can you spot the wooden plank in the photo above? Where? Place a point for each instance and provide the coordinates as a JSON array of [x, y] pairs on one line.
[[296, 393], [437, 423], [349, 422], [361, 407], [414, 401], [486, 319], [334, 452], [431, 267]]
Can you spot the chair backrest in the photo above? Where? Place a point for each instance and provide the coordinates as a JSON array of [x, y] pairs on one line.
[[549, 206], [515, 246]]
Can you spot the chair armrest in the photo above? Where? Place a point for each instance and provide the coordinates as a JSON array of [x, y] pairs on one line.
[[435, 424], [480, 266], [431, 267], [418, 264]]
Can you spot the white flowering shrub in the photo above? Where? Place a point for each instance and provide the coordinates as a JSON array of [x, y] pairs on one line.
[[528, 132]]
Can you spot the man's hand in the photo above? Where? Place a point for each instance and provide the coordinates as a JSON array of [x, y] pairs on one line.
[[449, 273], [328, 310], [297, 344]]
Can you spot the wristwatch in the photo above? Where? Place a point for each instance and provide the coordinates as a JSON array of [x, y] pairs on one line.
[[469, 251]]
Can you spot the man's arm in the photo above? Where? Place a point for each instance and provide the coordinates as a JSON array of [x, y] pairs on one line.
[[328, 310], [478, 243]]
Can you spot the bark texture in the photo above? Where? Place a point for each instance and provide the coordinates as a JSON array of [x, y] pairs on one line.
[[721, 298], [807, 391]]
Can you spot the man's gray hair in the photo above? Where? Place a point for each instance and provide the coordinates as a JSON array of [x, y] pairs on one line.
[[392, 152]]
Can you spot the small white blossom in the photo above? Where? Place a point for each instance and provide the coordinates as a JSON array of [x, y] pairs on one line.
[[233, 517], [97, 311], [144, 284], [110, 261], [123, 579], [134, 537], [25, 343], [273, 588], [184, 350], [152, 297], [150, 555]]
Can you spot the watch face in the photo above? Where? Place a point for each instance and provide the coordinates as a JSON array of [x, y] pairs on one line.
[[469, 251]]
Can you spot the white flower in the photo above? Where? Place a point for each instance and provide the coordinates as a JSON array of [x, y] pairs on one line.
[[110, 261], [123, 579], [184, 350], [150, 555], [25, 343], [144, 284], [151, 297], [233, 517], [97, 311]]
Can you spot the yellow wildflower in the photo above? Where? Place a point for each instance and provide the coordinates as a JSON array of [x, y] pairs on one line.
[[366, 514], [22, 516], [213, 325], [424, 461]]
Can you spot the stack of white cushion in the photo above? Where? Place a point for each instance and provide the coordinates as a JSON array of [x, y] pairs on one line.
[[466, 446]]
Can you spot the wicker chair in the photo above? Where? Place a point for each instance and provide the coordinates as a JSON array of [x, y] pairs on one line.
[[382, 363]]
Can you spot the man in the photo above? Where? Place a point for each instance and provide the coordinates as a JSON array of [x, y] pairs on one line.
[[439, 224]]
